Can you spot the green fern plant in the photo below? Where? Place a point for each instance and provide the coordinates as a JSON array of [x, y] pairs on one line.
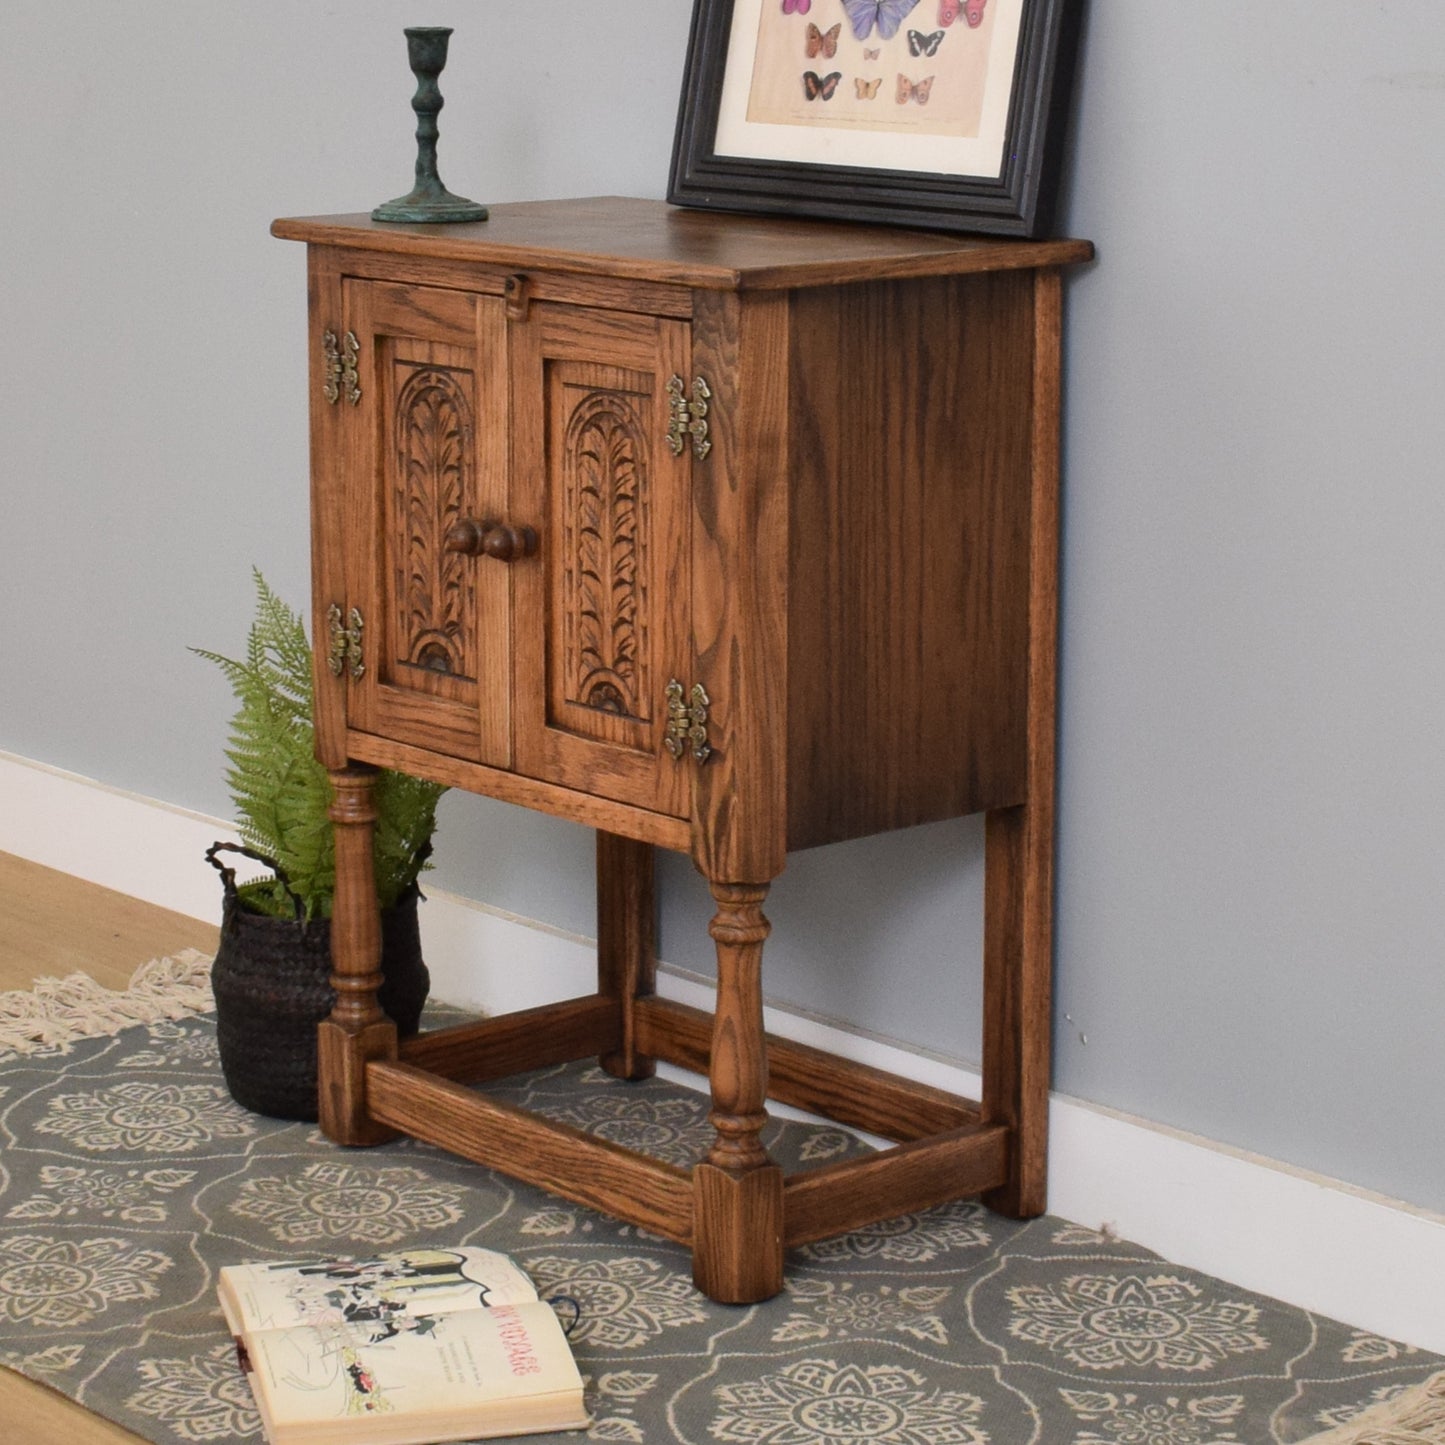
[[282, 793]]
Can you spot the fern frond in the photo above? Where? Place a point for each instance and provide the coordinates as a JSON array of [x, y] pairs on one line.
[[282, 793], [406, 810]]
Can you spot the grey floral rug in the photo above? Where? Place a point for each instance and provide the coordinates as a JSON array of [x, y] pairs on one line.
[[128, 1177]]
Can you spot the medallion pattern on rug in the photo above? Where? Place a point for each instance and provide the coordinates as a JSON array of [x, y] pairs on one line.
[[128, 1177]]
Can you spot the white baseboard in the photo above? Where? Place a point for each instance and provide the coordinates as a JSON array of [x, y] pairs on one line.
[[1328, 1247], [136, 845]]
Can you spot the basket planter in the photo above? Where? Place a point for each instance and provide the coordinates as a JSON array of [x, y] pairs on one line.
[[271, 980]]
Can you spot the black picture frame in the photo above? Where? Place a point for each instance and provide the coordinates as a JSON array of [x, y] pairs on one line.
[[1017, 202]]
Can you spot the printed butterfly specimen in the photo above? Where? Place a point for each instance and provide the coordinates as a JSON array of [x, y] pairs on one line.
[[887, 15], [872, 54], [866, 89], [914, 90], [824, 43], [972, 11], [921, 44], [820, 87], [797, 7]]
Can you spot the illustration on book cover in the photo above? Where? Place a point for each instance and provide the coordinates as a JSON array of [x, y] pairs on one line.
[[355, 1305], [417, 1344]]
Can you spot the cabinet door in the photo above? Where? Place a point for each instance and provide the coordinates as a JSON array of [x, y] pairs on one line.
[[428, 450], [602, 612]]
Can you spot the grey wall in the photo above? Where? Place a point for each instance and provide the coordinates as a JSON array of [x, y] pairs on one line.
[[1253, 817], [1251, 789]]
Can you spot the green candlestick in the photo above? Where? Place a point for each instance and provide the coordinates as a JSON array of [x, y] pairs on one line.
[[429, 200]]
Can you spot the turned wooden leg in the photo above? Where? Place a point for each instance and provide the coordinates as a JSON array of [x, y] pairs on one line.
[[738, 1190], [626, 943], [357, 1029]]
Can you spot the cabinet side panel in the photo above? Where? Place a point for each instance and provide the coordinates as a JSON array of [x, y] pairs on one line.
[[910, 416]]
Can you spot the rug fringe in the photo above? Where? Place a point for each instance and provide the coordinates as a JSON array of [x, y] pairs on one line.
[[58, 1011], [1415, 1418]]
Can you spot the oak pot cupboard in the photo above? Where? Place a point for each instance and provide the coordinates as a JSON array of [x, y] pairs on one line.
[[720, 534]]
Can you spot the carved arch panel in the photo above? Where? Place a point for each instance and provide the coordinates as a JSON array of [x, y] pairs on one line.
[[606, 597], [434, 591]]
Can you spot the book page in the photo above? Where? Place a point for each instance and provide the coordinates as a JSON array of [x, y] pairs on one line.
[[507, 1366], [371, 1293]]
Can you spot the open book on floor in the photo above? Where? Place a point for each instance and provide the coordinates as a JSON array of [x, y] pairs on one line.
[[406, 1348]]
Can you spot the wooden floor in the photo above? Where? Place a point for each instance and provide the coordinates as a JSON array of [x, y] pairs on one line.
[[52, 924]]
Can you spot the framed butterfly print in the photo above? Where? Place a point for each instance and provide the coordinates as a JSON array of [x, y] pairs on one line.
[[947, 114]]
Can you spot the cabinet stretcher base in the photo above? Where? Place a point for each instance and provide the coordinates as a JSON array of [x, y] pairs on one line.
[[943, 1152]]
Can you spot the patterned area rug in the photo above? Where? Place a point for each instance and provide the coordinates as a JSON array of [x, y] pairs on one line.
[[128, 1177]]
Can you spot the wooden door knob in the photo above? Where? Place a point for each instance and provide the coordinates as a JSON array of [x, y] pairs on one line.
[[490, 539], [506, 544]]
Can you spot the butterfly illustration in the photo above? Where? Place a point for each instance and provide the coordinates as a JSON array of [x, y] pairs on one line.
[[914, 90], [820, 87], [797, 7], [866, 89], [872, 54], [887, 15], [823, 42], [921, 44], [972, 11]]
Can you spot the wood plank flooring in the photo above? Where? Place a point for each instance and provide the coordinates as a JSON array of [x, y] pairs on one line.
[[53, 924]]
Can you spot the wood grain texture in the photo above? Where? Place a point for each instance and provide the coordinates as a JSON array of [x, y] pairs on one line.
[[739, 587], [854, 1192], [1019, 842], [602, 614], [426, 447], [860, 572], [52, 924], [545, 797], [650, 241], [737, 1252], [535, 1038], [343, 1110], [41, 1416], [908, 553], [355, 922], [328, 505], [738, 1061], [610, 293], [799, 1075], [555, 1157], [357, 1031], [626, 946]]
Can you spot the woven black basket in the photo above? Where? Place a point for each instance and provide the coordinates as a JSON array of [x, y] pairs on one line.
[[271, 979]]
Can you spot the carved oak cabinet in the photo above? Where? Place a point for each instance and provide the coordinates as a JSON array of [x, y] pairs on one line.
[[718, 534]]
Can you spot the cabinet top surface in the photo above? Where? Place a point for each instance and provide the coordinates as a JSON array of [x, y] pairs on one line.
[[654, 241]]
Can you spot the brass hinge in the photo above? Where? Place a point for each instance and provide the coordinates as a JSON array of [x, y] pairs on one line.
[[687, 722], [344, 650], [342, 376], [689, 418]]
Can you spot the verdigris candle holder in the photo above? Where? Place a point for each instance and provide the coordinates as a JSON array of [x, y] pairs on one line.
[[428, 200]]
